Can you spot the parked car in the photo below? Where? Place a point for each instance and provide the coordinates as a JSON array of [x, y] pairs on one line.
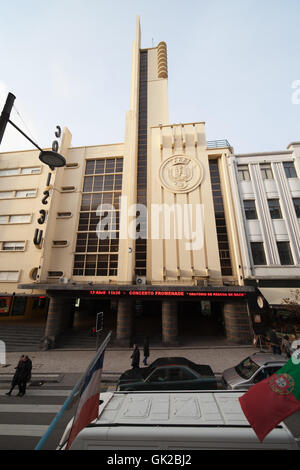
[[252, 370], [169, 373]]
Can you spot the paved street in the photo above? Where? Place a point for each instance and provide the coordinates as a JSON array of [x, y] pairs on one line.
[[25, 420]]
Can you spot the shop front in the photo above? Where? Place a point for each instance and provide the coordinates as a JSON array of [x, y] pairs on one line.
[[27, 308], [170, 315]]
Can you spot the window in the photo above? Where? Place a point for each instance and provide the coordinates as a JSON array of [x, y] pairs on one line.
[[9, 276], [4, 219], [66, 189], [247, 368], [159, 375], [96, 256], [26, 193], [275, 210], [31, 170], [9, 172], [6, 194], [180, 373], [55, 274], [285, 254], [71, 165], [258, 253], [266, 171], [64, 215], [243, 173], [223, 243], [19, 305], [19, 219], [296, 202], [15, 219], [13, 246], [59, 243], [250, 209], [289, 169]]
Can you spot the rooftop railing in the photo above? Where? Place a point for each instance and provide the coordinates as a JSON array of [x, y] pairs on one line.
[[215, 144]]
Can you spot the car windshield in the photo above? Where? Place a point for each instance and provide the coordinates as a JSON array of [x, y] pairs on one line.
[[246, 368]]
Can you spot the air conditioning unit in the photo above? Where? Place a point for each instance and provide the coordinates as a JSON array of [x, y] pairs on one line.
[[63, 280], [140, 280]]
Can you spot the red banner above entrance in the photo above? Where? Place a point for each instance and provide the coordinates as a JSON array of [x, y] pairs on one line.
[[150, 293]]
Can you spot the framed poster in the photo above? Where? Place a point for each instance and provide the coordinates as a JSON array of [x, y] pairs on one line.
[[5, 303]]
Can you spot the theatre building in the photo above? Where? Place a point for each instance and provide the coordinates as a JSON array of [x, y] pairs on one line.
[[144, 231]]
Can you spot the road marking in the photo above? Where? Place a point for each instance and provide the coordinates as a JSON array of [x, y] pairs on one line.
[[31, 430], [33, 377], [26, 408], [40, 393]]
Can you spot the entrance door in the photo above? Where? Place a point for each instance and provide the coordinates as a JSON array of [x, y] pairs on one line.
[[200, 319]]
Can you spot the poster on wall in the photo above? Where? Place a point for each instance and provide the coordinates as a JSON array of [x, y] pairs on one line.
[[5, 303]]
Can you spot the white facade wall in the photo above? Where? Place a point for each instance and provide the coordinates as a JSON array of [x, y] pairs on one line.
[[264, 228]]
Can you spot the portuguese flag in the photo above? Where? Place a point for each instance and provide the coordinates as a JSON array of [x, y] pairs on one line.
[[272, 400]]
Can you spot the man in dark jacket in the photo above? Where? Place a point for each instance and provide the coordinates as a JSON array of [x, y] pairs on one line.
[[135, 356], [275, 342], [16, 377], [24, 375]]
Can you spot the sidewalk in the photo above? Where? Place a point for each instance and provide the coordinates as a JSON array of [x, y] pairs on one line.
[[118, 360]]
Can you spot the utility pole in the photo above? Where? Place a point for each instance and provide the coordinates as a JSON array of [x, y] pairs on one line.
[[6, 114]]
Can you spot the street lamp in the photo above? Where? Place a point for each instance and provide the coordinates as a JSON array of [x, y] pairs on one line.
[[50, 158]]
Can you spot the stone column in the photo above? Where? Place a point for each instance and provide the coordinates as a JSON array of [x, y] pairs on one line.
[[58, 319], [169, 322], [237, 323], [124, 322]]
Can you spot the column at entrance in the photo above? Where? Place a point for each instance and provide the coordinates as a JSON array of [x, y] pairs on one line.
[[124, 322], [237, 323], [169, 322], [58, 320]]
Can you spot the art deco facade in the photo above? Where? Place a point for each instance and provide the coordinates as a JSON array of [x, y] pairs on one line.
[[167, 257]]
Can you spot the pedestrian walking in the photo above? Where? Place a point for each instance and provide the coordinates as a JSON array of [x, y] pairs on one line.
[[16, 378], [25, 375], [135, 356], [275, 342], [146, 350], [286, 346]]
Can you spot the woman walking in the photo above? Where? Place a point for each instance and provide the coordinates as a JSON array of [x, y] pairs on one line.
[[135, 356], [146, 350]]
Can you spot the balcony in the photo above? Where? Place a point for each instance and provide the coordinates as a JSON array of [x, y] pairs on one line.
[[217, 144]]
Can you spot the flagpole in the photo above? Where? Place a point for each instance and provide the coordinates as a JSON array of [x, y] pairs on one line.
[[75, 389]]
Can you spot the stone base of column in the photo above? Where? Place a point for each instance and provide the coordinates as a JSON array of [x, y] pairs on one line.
[[169, 323], [58, 319], [237, 323], [124, 323]]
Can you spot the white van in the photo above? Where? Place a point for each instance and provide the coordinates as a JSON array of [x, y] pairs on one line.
[[206, 420]]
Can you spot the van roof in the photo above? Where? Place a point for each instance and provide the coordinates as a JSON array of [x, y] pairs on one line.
[[172, 408], [175, 420]]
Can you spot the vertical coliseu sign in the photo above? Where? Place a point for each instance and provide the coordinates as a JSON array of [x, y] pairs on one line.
[[38, 234]]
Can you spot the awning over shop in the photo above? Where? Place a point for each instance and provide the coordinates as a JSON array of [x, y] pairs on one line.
[[281, 296]]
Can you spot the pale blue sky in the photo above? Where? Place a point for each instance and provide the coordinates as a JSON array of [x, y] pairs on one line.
[[231, 64]]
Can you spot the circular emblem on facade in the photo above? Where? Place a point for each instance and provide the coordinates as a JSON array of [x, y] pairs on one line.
[[283, 384], [180, 174]]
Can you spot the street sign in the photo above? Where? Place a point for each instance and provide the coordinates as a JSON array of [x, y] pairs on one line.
[[99, 322]]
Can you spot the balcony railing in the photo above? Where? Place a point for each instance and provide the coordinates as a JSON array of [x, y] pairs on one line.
[[216, 144]]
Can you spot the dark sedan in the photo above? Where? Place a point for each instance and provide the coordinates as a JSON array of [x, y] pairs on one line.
[[169, 373]]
